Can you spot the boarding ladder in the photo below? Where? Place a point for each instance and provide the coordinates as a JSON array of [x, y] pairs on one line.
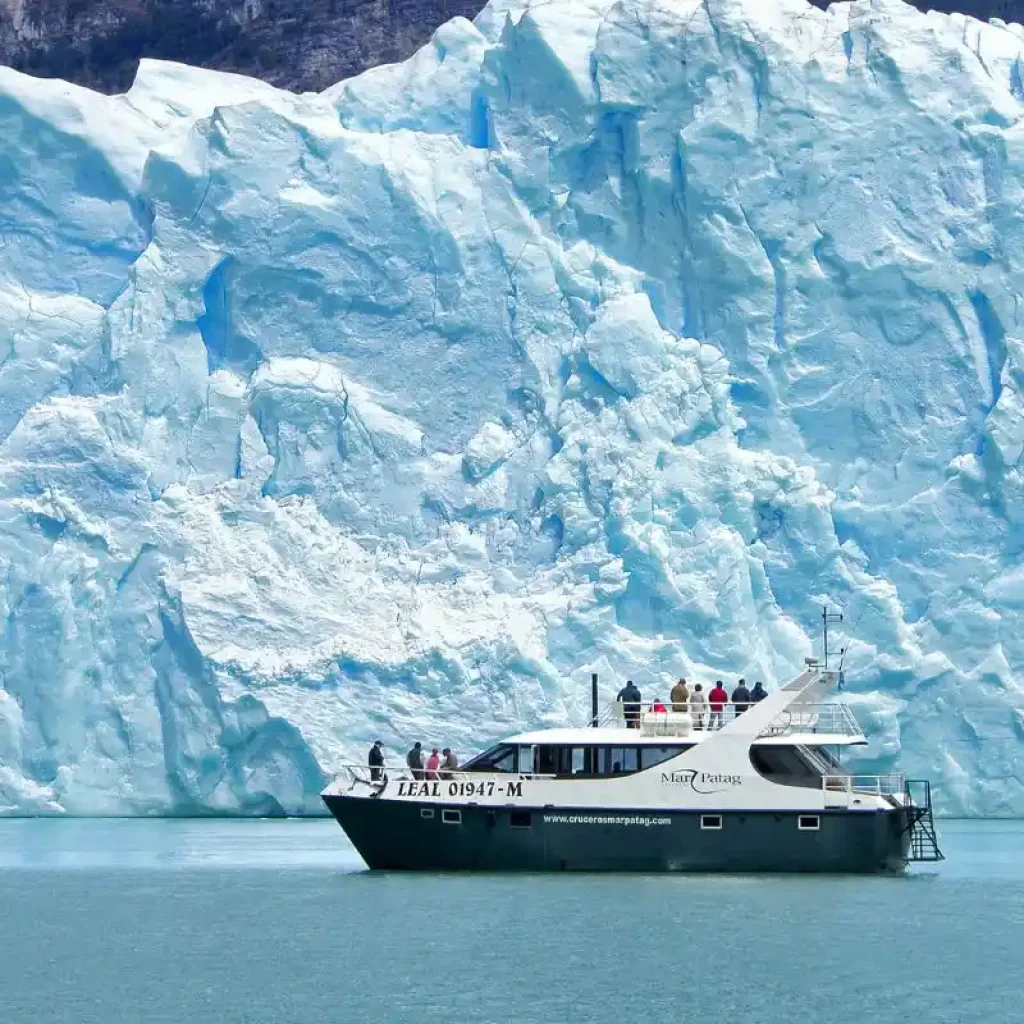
[[924, 844]]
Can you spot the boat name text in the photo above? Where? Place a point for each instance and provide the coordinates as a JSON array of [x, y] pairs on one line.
[[485, 787], [701, 782]]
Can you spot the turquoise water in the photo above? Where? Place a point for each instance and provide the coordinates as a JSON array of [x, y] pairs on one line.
[[106, 922]]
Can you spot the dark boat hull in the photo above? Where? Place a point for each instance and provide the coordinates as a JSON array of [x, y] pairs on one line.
[[397, 835]]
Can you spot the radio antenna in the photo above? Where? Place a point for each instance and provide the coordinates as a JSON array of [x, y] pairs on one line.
[[829, 618]]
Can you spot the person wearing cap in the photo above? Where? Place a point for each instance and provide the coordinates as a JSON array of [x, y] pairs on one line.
[[449, 763], [376, 761]]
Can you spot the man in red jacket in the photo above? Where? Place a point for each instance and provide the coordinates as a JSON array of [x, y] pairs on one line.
[[717, 699]]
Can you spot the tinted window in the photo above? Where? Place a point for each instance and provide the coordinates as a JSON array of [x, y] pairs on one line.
[[619, 760], [786, 766], [498, 759], [547, 760], [650, 756]]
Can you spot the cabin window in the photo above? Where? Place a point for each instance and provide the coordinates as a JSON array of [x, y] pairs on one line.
[[527, 759], [711, 822], [501, 758], [571, 760], [546, 760], [651, 756], [620, 760], [426, 812], [786, 766], [451, 816], [808, 823], [520, 819]]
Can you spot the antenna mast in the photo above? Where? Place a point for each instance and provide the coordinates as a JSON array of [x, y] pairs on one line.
[[828, 617]]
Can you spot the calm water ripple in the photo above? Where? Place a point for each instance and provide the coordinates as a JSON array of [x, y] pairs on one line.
[[110, 922]]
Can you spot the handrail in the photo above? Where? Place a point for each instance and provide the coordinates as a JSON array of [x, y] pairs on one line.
[[891, 784], [364, 775], [834, 719]]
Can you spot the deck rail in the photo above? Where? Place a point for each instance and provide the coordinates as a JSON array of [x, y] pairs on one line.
[[833, 719], [840, 790], [352, 775]]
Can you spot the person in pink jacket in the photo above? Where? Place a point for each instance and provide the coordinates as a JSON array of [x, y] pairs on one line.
[[433, 764]]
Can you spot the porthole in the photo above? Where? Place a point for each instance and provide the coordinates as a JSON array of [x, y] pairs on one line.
[[520, 819], [426, 812], [710, 822], [808, 823], [451, 817]]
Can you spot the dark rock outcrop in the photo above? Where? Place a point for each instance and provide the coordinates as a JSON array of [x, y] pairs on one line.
[[296, 44]]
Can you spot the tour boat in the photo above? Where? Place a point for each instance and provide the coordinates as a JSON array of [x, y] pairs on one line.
[[658, 792]]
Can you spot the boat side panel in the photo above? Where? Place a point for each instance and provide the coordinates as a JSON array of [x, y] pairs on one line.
[[395, 835]]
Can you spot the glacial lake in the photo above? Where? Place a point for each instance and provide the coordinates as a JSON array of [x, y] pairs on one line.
[[252, 922]]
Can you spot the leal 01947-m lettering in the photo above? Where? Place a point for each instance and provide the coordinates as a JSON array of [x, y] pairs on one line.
[[460, 787]]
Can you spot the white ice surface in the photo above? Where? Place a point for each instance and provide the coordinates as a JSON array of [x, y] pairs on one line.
[[597, 336]]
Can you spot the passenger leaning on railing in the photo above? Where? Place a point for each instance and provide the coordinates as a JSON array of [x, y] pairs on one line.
[[631, 698], [375, 760], [414, 760], [741, 697], [680, 696], [449, 763], [698, 706], [717, 699]]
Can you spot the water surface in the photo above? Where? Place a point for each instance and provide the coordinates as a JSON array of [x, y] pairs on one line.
[[110, 922]]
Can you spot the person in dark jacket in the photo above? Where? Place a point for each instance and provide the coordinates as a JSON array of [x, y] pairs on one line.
[[376, 761], [415, 761], [741, 697], [630, 697], [758, 693]]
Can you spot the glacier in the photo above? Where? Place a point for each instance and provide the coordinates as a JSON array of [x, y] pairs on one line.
[[609, 337]]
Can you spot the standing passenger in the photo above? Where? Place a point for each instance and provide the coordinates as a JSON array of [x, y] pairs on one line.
[[376, 761], [717, 698], [698, 702], [680, 696], [630, 697], [741, 697], [449, 763], [758, 693], [415, 760], [433, 764]]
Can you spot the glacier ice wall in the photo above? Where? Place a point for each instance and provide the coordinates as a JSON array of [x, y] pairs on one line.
[[598, 336]]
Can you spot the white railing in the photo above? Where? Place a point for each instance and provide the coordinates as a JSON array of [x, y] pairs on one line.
[[651, 718], [832, 719], [352, 775], [892, 784]]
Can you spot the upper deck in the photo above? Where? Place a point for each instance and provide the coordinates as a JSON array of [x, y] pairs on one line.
[[807, 724]]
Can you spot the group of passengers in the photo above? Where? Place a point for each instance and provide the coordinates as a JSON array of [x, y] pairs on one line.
[[706, 709], [435, 766]]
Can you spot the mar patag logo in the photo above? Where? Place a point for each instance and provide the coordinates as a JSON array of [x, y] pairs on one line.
[[700, 782]]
